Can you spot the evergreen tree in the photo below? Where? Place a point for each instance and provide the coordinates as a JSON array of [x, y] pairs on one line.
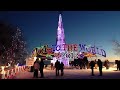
[[12, 44]]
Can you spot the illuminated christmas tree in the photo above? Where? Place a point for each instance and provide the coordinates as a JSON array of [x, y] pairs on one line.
[[18, 49], [13, 46], [60, 41]]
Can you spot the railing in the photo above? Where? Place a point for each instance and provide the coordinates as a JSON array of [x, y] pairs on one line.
[[11, 73]]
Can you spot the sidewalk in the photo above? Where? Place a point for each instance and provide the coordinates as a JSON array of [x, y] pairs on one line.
[[73, 74]]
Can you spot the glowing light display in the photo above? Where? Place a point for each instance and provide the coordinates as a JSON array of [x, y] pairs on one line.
[[60, 41], [65, 52], [16, 52]]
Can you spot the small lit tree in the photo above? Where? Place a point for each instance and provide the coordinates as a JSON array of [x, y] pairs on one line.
[[19, 51], [12, 44]]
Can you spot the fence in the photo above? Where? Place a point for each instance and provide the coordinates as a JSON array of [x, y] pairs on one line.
[[10, 74]]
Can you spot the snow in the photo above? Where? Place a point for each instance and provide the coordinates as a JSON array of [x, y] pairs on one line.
[[74, 74]]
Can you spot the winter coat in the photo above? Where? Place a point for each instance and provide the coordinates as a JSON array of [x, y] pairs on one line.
[[36, 66]]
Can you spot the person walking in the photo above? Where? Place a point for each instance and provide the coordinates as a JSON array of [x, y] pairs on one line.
[[36, 69], [62, 68], [57, 66], [52, 67], [100, 66], [41, 68], [92, 65]]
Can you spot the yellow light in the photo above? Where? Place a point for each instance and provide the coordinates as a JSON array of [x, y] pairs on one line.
[[2, 67], [39, 59], [35, 58]]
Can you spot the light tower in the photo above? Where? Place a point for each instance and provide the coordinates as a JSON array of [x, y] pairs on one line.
[[60, 41], [60, 33]]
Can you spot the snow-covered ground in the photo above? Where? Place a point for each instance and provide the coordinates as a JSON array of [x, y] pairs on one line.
[[74, 74]]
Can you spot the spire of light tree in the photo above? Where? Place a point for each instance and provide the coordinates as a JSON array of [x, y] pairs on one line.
[[60, 32], [60, 41]]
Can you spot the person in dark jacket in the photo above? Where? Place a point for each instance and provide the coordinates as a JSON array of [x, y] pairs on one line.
[[107, 67], [116, 62], [41, 68], [95, 64], [119, 65], [57, 66], [36, 68], [100, 66], [52, 68], [85, 59], [62, 68], [92, 65]]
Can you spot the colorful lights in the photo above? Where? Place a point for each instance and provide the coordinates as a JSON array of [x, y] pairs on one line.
[[64, 52], [17, 50], [60, 42]]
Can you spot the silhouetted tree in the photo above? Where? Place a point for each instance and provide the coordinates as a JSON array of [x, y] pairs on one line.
[[116, 47]]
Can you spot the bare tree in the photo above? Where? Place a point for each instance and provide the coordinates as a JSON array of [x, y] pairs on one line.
[[116, 47]]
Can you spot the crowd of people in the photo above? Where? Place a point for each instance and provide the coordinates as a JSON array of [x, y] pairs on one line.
[[100, 65], [39, 66], [81, 62], [59, 66]]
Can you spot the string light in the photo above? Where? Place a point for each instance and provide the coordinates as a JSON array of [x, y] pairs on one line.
[[17, 49]]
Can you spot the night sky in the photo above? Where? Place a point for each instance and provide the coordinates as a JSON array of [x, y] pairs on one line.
[[87, 27]]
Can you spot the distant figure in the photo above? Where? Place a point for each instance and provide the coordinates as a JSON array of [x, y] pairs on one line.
[[107, 67], [57, 66], [80, 62], [62, 68], [85, 59], [117, 62], [95, 64], [105, 64], [100, 66], [41, 68], [46, 66], [92, 65], [52, 67], [119, 65], [36, 69]]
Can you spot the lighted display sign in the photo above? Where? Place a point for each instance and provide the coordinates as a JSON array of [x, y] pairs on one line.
[[83, 48], [71, 51]]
